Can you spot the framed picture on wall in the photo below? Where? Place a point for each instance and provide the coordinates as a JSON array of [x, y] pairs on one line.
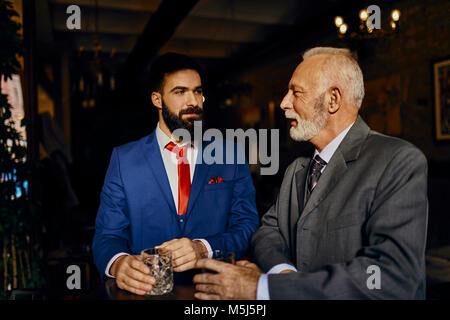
[[441, 79]]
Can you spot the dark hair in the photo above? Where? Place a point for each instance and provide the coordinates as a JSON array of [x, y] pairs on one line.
[[168, 63]]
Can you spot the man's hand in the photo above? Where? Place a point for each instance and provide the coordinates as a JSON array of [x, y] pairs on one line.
[[185, 253], [238, 282], [132, 274]]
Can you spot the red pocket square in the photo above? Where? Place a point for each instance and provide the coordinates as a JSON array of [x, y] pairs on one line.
[[216, 180]]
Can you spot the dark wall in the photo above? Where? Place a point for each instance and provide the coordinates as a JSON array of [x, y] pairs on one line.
[[398, 75], [397, 72]]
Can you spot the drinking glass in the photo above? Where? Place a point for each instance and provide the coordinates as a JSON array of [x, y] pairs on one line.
[[221, 255], [160, 263]]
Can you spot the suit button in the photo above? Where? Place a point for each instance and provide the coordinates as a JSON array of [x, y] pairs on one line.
[[181, 220]]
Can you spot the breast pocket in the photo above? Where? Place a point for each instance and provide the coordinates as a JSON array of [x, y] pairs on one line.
[[218, 186]]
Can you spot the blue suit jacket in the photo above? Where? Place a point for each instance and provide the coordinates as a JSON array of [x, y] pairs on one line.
[[137, 210]]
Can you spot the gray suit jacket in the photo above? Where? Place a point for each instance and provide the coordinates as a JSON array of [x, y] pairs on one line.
[[369, 207]]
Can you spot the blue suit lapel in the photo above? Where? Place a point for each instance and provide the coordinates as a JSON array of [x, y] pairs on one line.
[[199, 180], [154, 159]]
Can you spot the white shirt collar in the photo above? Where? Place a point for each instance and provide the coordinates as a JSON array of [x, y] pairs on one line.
[[329, 150], [163, 139]]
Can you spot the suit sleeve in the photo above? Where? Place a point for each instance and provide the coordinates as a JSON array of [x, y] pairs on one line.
[[396, 236], [243, 217], [112, 233], [269, 246]]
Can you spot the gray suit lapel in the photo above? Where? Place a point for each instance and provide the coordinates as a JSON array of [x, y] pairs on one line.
[[347, 151], [296, 205], [330, 176]]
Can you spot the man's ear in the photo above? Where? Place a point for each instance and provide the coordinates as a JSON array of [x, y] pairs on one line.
[[157, 99], [335, 99]]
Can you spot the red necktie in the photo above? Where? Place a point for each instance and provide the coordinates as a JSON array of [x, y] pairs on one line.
[[184, 176]]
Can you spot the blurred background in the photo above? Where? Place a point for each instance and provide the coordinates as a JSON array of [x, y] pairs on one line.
[[83, 91]]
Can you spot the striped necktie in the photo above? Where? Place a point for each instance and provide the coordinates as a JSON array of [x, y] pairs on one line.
[[315, 172]]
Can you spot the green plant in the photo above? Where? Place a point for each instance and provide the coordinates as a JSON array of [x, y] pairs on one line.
[[20, 256]]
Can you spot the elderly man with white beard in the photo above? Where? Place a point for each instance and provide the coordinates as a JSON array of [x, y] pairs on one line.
[[350, 219]]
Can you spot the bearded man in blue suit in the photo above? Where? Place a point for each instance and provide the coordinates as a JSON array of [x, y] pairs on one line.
[[149, 199]]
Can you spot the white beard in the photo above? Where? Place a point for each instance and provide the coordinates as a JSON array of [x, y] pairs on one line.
[[308, 129]]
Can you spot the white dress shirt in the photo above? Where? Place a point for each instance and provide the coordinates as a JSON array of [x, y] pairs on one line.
[[171, 165], [170, 161], [262, 292]]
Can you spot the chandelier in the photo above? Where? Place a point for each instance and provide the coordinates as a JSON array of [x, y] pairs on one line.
[[369, 24]]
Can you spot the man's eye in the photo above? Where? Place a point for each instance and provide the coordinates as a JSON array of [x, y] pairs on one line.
[[199, 91], [179, 92], [297, 93]]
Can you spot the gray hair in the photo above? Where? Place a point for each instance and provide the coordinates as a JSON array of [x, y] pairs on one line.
[[341, 66]]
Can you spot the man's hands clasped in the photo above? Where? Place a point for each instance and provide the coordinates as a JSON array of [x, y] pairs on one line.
[[134, 276]]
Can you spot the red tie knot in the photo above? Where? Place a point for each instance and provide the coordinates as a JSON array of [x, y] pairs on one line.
[[180, 152]]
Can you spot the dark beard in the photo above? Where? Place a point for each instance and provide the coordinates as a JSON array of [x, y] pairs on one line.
[[174, 122]]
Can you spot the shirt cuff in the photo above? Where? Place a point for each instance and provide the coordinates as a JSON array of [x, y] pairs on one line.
[[281, 267], [112, 261], [262, 291], [207, 245]]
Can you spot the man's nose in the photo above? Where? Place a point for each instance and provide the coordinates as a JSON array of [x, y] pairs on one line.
[[286, 103], [191, 99]]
